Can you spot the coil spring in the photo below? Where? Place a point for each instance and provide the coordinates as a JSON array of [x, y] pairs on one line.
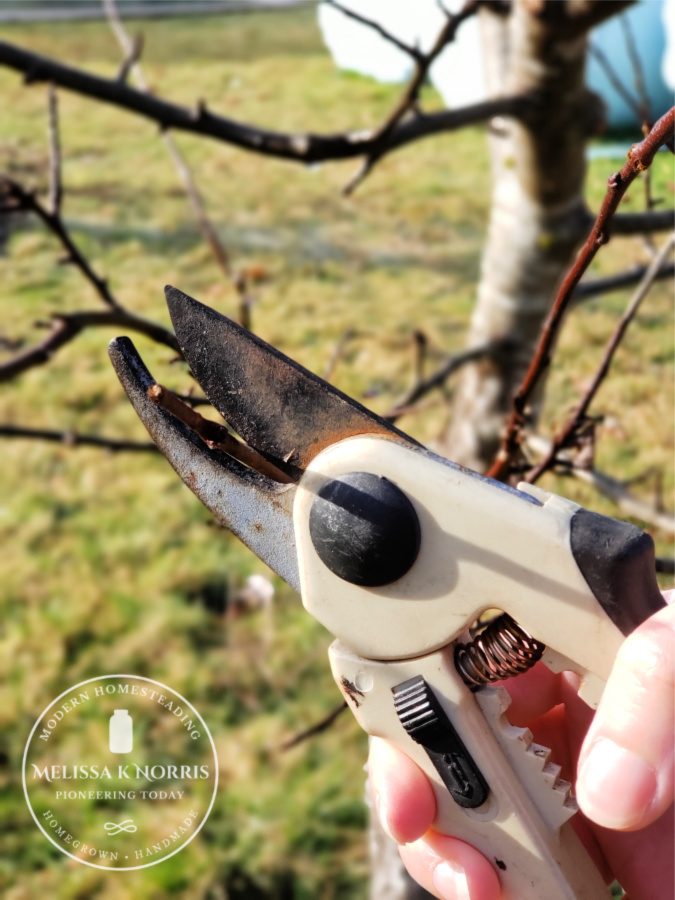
[[501, 649]]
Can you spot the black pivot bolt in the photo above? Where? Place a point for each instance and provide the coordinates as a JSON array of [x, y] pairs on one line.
[[364, 529]]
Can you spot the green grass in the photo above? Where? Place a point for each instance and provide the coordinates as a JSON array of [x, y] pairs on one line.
[[108, 559]]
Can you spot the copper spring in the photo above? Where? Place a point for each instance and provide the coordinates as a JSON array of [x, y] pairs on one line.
[[501, 649]]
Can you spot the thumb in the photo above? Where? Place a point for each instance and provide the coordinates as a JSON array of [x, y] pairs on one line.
[[625, 773]]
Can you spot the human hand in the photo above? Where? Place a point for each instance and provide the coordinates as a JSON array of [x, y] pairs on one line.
[[623, 758]]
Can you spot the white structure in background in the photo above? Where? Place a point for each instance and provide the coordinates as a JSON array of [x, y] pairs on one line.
[[458, 72]]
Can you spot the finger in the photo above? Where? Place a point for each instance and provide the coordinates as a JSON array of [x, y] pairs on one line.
[[450, 869], [535, 692], [402, 793], [625, 778]]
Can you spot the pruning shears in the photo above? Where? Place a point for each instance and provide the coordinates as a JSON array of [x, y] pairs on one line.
[[398, 552]]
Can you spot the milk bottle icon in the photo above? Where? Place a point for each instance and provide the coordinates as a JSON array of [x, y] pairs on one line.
[[120, 732]]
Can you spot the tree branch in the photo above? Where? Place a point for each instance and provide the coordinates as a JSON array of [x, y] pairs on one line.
[[67, 326], [409, 99], [595, 286], [17, 197], [313, 730], [640, 157], [638, 73], [75, 439], [303, 148], [609, 487], [131, 66], [617, 83], [438, 378], [55, 178], [411, 51], [576, 421]]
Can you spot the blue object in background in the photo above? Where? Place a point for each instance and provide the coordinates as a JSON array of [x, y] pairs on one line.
[[646, 21]]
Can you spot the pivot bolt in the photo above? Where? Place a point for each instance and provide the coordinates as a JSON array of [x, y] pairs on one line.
[[364, 529]]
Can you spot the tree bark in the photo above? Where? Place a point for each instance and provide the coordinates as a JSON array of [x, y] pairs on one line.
[[537, 217]]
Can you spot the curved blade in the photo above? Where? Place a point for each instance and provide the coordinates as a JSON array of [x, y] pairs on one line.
[[277, 406], [257, 509]]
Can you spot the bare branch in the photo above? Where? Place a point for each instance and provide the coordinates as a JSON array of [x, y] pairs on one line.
[[132, 48], [665, 566], [371, 23], [640, 157], [304, 148], [638, 72], [595, 286], [17, 197], [131, 60], [67, 326], [75, 439], [409, 99], [609, 487], [576, 421], [55, 179], [628, 503], [338, 352], [617, 83], [313, 730], [438, 378]]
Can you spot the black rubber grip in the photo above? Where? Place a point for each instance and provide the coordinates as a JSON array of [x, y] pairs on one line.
[[617, 561]]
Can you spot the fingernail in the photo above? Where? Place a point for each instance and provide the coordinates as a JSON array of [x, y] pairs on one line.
[[383, 814], [450, 883], [615, 785]]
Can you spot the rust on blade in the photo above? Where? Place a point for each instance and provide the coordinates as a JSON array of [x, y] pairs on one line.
[[278, 407], [255, 507]]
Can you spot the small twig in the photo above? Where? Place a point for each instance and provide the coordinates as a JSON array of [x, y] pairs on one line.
[[66, 326], [638, 73], [55, 179], [214, 435], [438, 378], [75, 439], [133, 56], [609, 487], [645, 107], [420, 348], [617, 83], [338, 352], [640, 157], [11, 344], [27, 201], [566, 435], [629, 504], [410, 97], [194, 400], [320, 726], [132, 49], [413, 52]]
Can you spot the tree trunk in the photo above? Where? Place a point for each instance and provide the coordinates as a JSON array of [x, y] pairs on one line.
[[537, 215], [537, 221]]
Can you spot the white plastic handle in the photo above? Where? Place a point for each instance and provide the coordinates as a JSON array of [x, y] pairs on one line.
[[518, 827]]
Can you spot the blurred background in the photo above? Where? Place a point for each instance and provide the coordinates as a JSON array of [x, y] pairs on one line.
[[109, 564]]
